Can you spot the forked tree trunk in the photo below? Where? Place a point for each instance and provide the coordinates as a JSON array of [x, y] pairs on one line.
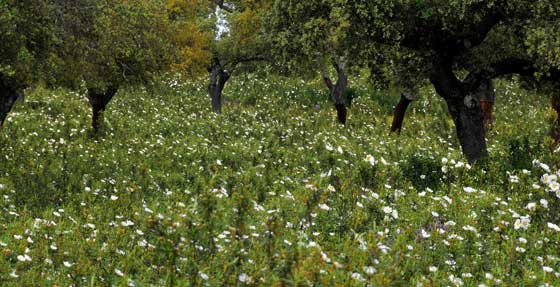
[[98, 100], [218, 80], [464, 108], [555, 128], [338, 90], [468, 119], [398, 117], [8, 97]]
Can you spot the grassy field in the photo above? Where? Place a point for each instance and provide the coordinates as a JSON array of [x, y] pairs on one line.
[[273, 192]]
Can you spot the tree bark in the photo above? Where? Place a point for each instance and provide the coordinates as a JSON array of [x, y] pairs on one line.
[[487, 114], [464, 108], [218, 80], [98, 100], [398, 117], [8, 96], [487, 96], [338, 90], [469, 124], [555, 128]]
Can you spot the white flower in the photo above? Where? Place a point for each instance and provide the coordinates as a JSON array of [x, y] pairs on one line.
[[547, 269], [369, 270], [387, 209], [513, 179], [13, 274], [358, 277], [127, 223], [370, 159], [119, 272], [456, 280], [531, 206], [544, 203], [469, 189], [553, 226], [433, 269], [218, 162], [548, 178], [331, 188], [329, 147], [324, 207], [243, 277], [554, 186], [522, 222], [203, 275], [67, 264], [24, 258]]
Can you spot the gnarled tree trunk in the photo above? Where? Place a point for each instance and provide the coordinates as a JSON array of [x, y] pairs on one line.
[[98, 99], [218, 80], [8, 96], [464, 108], [338, 90]]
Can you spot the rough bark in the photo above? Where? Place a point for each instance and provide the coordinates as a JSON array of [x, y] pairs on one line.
[[398, 117], [218, 80], [338, 90], [8, 96], [468, 119], [555, 128], [485, 93], [98, 100], [487, 114], [464, 108]]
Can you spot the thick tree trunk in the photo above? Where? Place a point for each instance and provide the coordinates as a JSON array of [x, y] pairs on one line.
[[398, 117], [555, 128], [98, 100], [218, 80], [468, 119], [464, 108], [8, 97]]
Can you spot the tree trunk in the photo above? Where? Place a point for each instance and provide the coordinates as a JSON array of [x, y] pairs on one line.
[[98, 100], [468, 119], [464, 107], [8, 97], [487, 96], [555, 128], [218, 80], [338, 90], [398, 117]]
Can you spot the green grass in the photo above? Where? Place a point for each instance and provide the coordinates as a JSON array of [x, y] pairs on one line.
[[272, 192]]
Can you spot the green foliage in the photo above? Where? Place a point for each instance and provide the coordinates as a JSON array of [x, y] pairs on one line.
[[273, 193], [423, 172], [111, 43], [26, 34]]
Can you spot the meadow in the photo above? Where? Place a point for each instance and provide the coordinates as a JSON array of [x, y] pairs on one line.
[[274, 192]]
